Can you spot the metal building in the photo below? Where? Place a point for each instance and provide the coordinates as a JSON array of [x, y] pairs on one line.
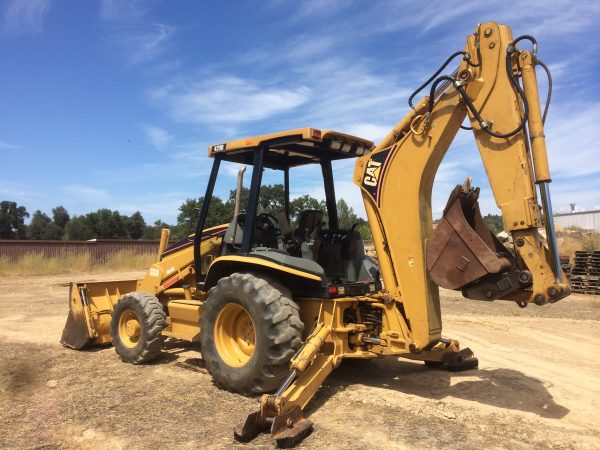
[[587, 220]]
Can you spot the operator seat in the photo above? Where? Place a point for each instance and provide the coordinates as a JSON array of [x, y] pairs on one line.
[[303, 240], [232, 240], [235, 234], [342, 256], [307, 222]]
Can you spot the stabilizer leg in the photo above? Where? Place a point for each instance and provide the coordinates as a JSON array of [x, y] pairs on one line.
[[281, 413]]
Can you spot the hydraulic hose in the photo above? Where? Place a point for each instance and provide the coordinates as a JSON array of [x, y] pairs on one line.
[[549, 95], [518, 88], [534, 45], [485, 125], [437, 72]]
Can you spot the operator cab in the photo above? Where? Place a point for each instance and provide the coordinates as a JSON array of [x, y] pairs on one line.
[[311, 241]]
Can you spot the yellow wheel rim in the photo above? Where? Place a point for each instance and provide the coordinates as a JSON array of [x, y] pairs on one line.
[[130, 328], [234, 335]]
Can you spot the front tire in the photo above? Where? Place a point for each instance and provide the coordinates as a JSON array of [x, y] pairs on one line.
[[136, 327], [249, 330]]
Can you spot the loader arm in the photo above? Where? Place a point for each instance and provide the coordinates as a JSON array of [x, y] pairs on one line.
[[396, 179]]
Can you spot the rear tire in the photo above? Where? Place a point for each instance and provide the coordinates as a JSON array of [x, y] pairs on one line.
[[249, 330], [136, 327]]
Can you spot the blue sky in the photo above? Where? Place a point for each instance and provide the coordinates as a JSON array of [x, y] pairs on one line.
[[112, 104]]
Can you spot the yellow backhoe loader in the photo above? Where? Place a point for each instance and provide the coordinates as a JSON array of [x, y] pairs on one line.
[[276, 307]]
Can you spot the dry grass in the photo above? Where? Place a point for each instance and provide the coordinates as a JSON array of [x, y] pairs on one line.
[[574, 239], [129, 261], [34, 264]]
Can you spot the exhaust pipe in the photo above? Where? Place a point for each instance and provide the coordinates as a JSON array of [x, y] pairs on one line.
[[238, 198], [238, 192], [164, 240]]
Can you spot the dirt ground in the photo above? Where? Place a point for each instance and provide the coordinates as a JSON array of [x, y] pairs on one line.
[[537, 386]]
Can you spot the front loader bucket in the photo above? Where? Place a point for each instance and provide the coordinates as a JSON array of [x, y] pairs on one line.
[[76, 333], [90, 309], [462, 249]]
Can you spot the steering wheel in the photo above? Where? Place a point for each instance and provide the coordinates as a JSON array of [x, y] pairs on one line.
[[268, 223]]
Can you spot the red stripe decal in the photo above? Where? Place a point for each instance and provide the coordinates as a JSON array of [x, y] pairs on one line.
[[203, 238], [171, 282]]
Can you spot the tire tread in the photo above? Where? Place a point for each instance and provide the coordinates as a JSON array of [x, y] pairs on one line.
[[153, 322], [283, 330]]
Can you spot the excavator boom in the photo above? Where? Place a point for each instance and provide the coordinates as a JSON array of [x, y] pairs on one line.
[[396, 181], [462, 254]]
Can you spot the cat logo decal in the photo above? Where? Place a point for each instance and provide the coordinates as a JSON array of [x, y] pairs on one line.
[[372, 173], [375, 173]]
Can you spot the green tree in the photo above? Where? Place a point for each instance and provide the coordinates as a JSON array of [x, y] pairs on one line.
[[12, 220], [494, 223], [218, 213], [79, 228], [41, 227], [136, 225], [60, 216], [346, 215], [271, 199], [364, 229], [188, 211], [102, 224], [152, 232], [109, 224], [53, 232], [39, 221], [230, 203], [303, 203]]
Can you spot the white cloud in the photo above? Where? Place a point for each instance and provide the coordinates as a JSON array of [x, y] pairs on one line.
[[573, 138], [157, 136], [24, 16], [129, 28], [147, 44], [123, 10], [7, 146], [231, 169], [544, 19], [569, 190], [163, 205], [263, 89], [371, 131], [310, 9], [228, 100], [84, 192], [537, 17], [15, 191], [351, 193], [346, 97]]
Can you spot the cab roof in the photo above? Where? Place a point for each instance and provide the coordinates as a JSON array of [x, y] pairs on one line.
[[294, 148]]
